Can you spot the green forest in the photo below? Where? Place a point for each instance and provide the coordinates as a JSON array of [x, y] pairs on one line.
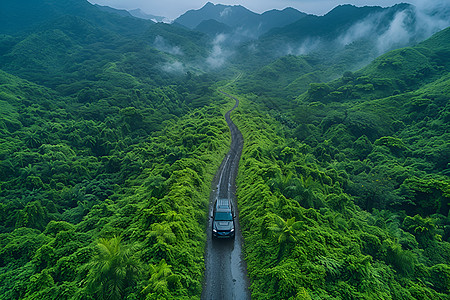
[[344, 192], [112, 129]]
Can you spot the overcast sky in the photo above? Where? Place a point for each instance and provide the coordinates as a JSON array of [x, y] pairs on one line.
[[174, 8]]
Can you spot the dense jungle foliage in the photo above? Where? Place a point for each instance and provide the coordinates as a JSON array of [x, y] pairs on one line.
[[111, 131], [345, 194], [106, 161], [100, 201]]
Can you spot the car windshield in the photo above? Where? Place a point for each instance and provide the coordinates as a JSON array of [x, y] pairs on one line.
[[223, 216]]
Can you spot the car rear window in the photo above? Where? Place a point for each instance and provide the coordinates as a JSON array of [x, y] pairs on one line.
[[223, 216]]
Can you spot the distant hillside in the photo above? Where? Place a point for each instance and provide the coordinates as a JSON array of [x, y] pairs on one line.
[[343, 25], [278, 18], [345, 39], [21, 15], [232, 16], [395, 72], [337, 20], [239, 17], [213, 27], [91, 45], [138, 13], [363, 159], [120, 12]]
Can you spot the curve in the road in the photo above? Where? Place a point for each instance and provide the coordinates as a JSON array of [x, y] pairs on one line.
[[226, 271]]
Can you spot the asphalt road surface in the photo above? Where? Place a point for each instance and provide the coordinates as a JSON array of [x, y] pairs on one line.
[[226, 271]]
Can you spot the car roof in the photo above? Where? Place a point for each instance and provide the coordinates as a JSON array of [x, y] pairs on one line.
[[223, 203]]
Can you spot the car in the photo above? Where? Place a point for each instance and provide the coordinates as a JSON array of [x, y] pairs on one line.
[[223, 219]]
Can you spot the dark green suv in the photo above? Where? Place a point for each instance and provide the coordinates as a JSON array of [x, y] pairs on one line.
[[223, 219]]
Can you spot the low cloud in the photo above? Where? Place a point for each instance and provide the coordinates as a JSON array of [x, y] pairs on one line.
[[219, 53], [361, 30], [226, 12], [252, 48], [163, 20], [162, 45], [242, 34], [174, 67], [307, 46], [432, 16], [397, 35], [428, 18]]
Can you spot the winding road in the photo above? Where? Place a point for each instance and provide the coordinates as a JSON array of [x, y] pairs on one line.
[[226, 271]]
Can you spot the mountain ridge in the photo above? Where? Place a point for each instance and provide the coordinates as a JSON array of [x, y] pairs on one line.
[[239, 17], [37, 12], [338, 19]]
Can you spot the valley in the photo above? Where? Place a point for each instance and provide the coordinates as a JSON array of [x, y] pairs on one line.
[[113, 139]]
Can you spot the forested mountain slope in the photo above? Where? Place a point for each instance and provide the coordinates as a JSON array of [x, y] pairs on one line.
[[403, 69], [108, 148], [395, 72], [69, 50], [346, 38], [344, 193], [339, 19], [240, 19], [24, 15]]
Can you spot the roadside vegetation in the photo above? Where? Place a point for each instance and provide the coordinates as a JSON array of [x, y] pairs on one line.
[[345, 195], [100, 201]]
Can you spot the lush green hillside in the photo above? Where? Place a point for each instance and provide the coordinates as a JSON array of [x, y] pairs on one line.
[[345, 39], [397, 71], [136, 176], [345, 195], [213, 28], [310, 223], [70, 54], [24, 15], [107, 155]]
